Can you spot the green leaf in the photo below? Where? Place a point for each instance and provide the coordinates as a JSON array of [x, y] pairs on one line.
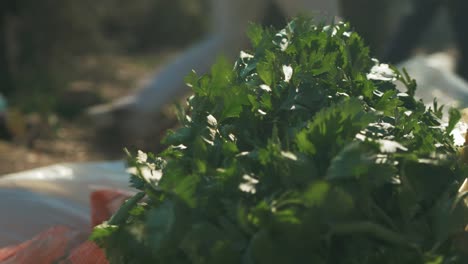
[[205, 243], [266, 69], [454, 117], [137, 182], [102, 232], [121, 215], [352, 162], [255, 33], [316, 194], [186, 189], [304, 145], [164, 225]]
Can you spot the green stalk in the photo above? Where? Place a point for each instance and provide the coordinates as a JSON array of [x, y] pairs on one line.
[[374, 230], [120, 216]]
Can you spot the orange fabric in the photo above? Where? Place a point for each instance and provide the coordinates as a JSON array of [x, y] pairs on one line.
[[47, 247], [62, 244], [8, 252], [104, 203], [87, 253]]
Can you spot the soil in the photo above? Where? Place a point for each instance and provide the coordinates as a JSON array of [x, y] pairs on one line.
[[55, 139]]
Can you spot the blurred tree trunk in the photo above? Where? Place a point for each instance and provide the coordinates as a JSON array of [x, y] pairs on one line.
[[411, 29], [371, 19], [5, 76], [8, 8]]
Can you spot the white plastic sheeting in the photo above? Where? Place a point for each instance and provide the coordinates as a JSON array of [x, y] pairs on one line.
[[35, 200], [436, 79]]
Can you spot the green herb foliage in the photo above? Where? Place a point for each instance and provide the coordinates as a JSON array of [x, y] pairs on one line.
[[303, 152]]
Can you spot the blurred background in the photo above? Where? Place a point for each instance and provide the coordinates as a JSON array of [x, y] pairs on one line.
[[59, 57]]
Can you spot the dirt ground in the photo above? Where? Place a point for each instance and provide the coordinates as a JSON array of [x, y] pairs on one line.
[[75, 140]]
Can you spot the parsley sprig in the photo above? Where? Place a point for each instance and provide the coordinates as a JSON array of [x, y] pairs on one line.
[[303, 152]]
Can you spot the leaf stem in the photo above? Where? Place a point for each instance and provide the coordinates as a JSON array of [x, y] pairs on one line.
[[123, 211], [371, 229], [383, 215]]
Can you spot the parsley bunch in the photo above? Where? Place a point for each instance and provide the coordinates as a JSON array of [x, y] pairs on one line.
[[303, 152]]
